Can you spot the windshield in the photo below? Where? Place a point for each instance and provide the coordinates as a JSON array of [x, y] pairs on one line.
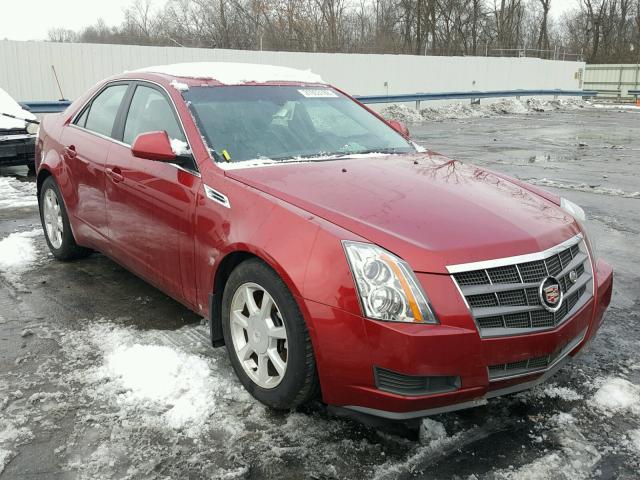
[[288, 123]]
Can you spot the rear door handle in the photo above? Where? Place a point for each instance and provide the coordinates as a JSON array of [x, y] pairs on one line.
[[70, 151], [115, 174]]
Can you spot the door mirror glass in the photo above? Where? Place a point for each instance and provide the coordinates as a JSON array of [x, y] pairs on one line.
[[153, 146], [399, 127]]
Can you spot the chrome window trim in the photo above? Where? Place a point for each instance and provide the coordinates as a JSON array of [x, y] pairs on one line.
[[501, 262], [195, 173]]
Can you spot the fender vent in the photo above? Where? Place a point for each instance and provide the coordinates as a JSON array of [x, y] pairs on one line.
[[401, 384]]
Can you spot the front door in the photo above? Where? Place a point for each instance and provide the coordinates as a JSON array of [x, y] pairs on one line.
[[150, 204]]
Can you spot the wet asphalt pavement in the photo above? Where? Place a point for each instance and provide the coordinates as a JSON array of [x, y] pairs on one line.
[[60, 419]]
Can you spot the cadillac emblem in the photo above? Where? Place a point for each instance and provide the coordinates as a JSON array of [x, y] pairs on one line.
[[550, 294]]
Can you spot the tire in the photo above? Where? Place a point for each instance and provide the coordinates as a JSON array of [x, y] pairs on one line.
[[59, 239], [298, 383]]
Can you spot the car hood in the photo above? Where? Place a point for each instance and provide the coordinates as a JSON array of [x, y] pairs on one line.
[[429, 210]]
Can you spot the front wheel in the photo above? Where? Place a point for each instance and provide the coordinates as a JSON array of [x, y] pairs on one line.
[[55, 223], [267, 338]]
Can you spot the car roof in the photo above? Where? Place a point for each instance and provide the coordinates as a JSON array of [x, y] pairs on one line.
[[232, 73]]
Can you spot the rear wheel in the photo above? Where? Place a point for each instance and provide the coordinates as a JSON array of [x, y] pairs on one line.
[[267, 338], [55, 223]]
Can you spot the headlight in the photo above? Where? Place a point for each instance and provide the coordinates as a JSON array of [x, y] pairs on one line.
[[386, 285], [32, 128], [578, 213]]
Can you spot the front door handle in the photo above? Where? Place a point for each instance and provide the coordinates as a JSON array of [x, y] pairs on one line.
[[115, 174], [70, 151]]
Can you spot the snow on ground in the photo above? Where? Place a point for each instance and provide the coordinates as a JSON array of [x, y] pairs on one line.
[[18, 253], [552, 390], [162, 384], [13, 433], [576, 457], [634, 437], [617, 395], [510, 106], [434, 443], [584, 187], [154, 376], [17, 194]]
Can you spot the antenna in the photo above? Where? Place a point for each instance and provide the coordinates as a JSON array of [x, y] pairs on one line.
[[55, 75]]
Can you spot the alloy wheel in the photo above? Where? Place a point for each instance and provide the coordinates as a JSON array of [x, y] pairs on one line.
[[52, 218], [259, 335]]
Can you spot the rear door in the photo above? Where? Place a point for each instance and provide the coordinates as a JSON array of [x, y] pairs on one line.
[[150, 204], [86, 142]]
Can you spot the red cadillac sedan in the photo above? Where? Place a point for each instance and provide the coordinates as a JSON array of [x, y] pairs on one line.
[[331, 254]]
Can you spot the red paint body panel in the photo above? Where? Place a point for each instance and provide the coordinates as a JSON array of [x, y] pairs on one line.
[[435, 213], [157, 220]]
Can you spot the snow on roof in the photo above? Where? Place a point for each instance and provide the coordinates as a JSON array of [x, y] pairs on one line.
[[230, 73], [10, 106]]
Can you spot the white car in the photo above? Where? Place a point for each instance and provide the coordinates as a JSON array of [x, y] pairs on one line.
[[17, 136]]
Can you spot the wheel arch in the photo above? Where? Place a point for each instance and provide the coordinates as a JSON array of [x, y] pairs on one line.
[[43, 174], [226, 265]]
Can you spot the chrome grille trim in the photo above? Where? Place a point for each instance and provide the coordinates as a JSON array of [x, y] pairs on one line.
[[502, 294]]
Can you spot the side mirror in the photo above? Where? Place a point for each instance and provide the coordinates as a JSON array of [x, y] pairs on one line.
[[153, 146], [399, 127]]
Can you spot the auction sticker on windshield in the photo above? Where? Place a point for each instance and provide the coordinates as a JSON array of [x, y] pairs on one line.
[[318, 93]]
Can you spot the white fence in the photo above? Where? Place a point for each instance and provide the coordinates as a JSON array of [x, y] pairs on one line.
[[25, 68], [613, 80]]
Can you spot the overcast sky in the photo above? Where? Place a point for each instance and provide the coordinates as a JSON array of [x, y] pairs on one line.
[[32, 19]]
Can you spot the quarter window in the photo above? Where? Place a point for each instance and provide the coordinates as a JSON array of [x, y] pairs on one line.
[[103, 110], [150, 112]]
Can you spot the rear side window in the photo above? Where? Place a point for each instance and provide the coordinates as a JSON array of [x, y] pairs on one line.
[[103, 110], [150, 111]]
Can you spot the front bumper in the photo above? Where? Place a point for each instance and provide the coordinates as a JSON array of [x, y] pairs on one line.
[[17, 150], [350, 349]]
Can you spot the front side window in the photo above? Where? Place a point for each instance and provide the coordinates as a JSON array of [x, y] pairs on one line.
[[150, 111], [102, 112], [288, 122]]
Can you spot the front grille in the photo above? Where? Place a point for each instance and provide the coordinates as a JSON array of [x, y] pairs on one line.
[[505, 300], [534, 364], [402, 384]]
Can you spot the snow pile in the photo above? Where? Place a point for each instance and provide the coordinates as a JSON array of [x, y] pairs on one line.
[[402, 113], [15, 194], [460, 111], [431, 431], [161, 386], [179, 147], [18, 253], [583, 187], [181, 87], [617, 395], [178, 383], [230, 73]]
